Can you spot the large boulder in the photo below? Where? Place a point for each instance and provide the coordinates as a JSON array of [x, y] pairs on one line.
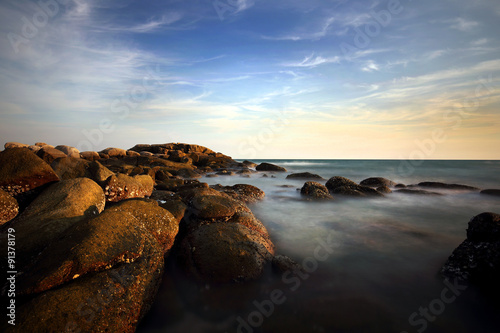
[[114, 152], [316, 191], [8, 207], [71, 167], [112, 300], [21, 171], [269, 167], [377, 182], [90, 155], [304, 175], [99, 173], [344, 186], [477, 259], [57, 208], [243, 192], [120, 187], [49, 154]]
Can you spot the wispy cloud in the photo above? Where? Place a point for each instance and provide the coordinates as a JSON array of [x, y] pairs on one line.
[[462, 24], [315, 35], [313, 61], [370, 66]]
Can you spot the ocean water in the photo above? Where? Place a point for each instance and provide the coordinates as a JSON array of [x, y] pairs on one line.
[[371, 265]]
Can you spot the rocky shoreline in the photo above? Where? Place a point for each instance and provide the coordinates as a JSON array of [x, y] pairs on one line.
[[93, 229]]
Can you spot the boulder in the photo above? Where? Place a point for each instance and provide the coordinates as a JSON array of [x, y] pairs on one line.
[[21, 171], [249, 164], [132, 153], [226, 252], [175, 206], [120, 187], [69, 151], [304, 175], [70, 168], [269, 167], [113, 300], [187, 173], [170, 184], [57, 208], [344, 186], [40, 144], [49, 154], [8, 207], [90, 155], [477, 259], [243, 192], [114, 152], [99, 173], [377, 182], [448, 186], [10, 145], [34, 148], [282, 263], [157, 220], [315, 190], [384, 189], [492, 192]]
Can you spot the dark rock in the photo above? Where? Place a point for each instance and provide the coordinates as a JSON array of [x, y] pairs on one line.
[[377, 182], [161, 195], [21, 171], [418, 192], [226, 252], [243, 192], [225, 173], [175, 206], [400, 186], [493, 192], [170, 184], [70, 168], [187, 173], [304, 175], [448, 186], [212, 175], [8, 207], [120, 187], [57, 208], [315, 190], [282, 264], [49, 154], [249, 164], [269, 167], [344, 186], [99, 173], [477, 259], [384, 189]]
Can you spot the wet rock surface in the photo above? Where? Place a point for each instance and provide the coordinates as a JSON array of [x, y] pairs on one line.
[[315, 191]]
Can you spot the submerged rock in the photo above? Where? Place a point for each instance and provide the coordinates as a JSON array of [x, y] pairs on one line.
[[304, 175], [269, 167], [344, 186], [492, 192], [448, 186], [417, 192], [377, 182], [315, 190]]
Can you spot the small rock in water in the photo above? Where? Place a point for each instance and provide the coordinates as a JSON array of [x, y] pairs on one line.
[[269, 167], [493, 192]]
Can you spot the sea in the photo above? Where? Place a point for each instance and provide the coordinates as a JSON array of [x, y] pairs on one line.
[[370, 264]]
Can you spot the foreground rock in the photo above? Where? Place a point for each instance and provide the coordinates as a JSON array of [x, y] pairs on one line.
[[344, 186], [316, 191], [304, 175], [120, 187], [377, 182], [269, 167], [21, 171], [477, 259], [57, 208], [8, 207]]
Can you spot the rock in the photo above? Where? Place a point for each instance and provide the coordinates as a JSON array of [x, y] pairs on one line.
[[249, 164], [49, 154], [187, 173], [34, 148], [90, 155], [344, 186], [226, 252], [70, 168], [120, 187], [243, 192], [377, 182], [484, 227], [304, 175], [493, 192], [400, 186], [175, 206], [69, 151], [21, 171], [477, 259], [269, 167], [212, 175], [448, 186], [157, 220], [418, 192], [10, 145], [8, 207], [132, 153], [315, 190], [99, 172], [225, 173], [57, 208], [170, 184], [114, 152], [40, 144], [281, 264], [161, 195], [214, 207], [384, 189]]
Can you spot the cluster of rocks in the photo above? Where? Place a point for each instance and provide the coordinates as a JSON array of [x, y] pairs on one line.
[[92, 230]]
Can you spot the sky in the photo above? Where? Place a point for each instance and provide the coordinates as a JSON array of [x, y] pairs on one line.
[[316, 79]]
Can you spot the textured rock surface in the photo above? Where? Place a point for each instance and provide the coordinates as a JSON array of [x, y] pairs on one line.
[[8, 207], [269, 167], [304, 175], [315, 190], [377, 182], [344, 186], [120, 187]]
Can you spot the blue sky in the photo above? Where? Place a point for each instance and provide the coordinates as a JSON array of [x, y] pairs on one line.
[[255, 79]]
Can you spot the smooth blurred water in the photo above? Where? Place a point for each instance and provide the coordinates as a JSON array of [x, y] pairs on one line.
[[385, 263]]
